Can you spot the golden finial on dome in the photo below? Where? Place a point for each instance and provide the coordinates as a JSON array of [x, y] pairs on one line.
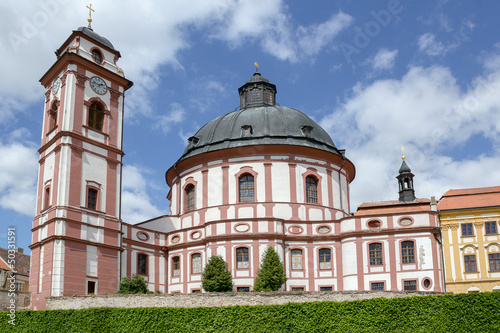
[[403, 151], [256, 67], [90, 14]]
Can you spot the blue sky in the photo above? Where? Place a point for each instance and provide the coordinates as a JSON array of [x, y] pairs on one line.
[[377, 75]]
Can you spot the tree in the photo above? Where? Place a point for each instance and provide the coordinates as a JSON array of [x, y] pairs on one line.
[[271, 275], [216, 277], [133, 285]]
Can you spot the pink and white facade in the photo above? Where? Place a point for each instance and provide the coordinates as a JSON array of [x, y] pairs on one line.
[[264, 175], [76, 243]]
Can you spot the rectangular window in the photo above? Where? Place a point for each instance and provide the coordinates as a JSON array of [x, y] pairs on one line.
[[91, 287], [47, 198], [410, 285], [377, 286], [196, 291], [467, 229], [297, 288], [196, 263], [407, 252], [296, 259], [92, 198], [19, 286], [176, 266], [325, 259], [490, 228], [325, 288], [375, 254], [470, 263], [142, 264], [242, 257], [243, 289], [494, 259]]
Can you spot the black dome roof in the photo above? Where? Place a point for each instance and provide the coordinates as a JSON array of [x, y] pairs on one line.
[[259, 122], [90, 33], [266, 125]]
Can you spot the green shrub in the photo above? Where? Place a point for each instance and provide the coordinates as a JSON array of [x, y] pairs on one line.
[[435, 313], [134, 285], [271, 275], [216, 277]]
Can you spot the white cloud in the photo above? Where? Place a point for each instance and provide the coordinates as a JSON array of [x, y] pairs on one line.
[[431, 116], [18, 173], [136, 203], [174, 116], [384, 59], [427, 43], [313, 38], [273, 28]]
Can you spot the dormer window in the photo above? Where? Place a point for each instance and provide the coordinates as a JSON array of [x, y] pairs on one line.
[[246, 131], [307, 131], [97, 56], [194, 140]]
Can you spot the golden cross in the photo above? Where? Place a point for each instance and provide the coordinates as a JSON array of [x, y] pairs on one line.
[[256, 66], [90, 13], [403, 150]]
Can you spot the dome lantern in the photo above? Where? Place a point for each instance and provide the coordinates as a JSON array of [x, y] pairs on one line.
[[257, 91]]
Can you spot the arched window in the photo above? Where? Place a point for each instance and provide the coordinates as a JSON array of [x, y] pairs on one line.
[[242, 257], [375, 254], [190, 195], [311, 189], [196, 263], [96, 116], [296, 259], [325, 259], [407, 252], [142, 264], [97, 56], [247, 188], [176, 266]]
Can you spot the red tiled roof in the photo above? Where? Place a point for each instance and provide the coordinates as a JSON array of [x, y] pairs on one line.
[[22, 261], [393, 207], [3, 265], [470, 198]]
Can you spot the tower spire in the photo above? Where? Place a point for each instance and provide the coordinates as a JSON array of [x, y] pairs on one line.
[[405, 182]]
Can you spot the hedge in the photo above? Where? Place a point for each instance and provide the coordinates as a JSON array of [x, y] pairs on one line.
[[478, 312]]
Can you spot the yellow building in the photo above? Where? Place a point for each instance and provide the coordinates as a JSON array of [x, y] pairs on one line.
[[471, 243]]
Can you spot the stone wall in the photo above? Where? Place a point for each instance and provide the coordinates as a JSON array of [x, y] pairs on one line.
[[215, 299], [22, 300]]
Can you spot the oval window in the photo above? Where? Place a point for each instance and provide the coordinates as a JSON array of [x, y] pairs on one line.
[[195, 234], [295, 229], [176, 239], [324, 229], [242, 227], [405, 221], [142, 236], [427, 283], [374, 224]]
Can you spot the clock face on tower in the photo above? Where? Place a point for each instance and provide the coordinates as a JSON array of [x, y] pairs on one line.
[[98, 85]]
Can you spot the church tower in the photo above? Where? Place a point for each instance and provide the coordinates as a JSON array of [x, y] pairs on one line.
[[76, 242], [405, 182]]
